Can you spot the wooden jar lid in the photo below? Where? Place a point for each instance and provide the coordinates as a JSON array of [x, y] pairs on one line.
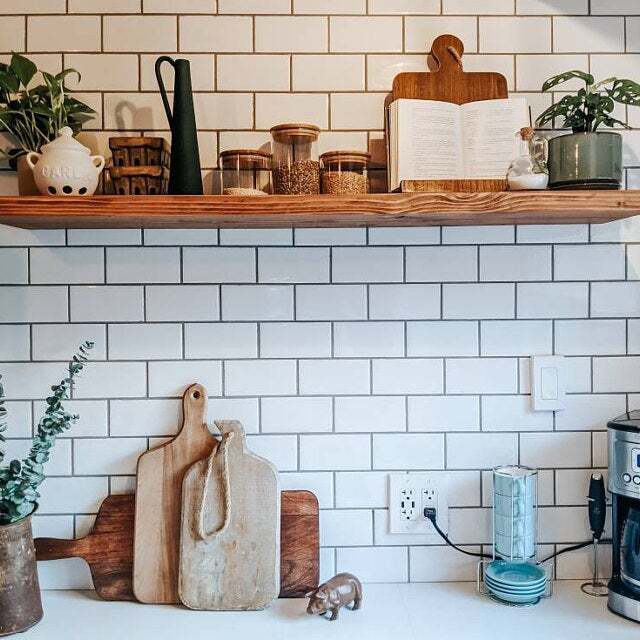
[[245, 159], [291, 132], [356, 157]]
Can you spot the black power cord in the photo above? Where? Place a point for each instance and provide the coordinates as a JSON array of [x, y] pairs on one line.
[[430, 513]]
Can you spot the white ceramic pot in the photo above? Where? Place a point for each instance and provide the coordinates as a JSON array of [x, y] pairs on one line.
[[65, 167]]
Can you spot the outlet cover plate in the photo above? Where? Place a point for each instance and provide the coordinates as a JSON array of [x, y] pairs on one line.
[[409, 494]]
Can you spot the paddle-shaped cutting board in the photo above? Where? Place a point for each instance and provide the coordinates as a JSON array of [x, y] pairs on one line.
[[108, 549], [230, 529], [158, 502]]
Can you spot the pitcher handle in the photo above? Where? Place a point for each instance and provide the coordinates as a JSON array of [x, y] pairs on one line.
[[163, 92], [30, 162]]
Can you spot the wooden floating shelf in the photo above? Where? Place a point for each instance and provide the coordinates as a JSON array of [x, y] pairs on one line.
[[376, 210]]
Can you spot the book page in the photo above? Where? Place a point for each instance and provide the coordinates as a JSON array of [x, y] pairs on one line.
[[429, 140], [490, 136]]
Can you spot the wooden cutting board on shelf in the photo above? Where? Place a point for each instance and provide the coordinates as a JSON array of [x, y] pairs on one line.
[[159, 499], [108, 549], [448, 82]]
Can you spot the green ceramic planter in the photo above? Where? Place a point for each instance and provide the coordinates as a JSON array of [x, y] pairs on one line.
[[586, 161]]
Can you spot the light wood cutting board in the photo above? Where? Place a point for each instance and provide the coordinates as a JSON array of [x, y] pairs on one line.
[[230, 529], [158, 502]]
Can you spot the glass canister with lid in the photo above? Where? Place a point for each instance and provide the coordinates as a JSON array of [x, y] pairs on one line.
[[295, 162], [345, 172], [245, 172]]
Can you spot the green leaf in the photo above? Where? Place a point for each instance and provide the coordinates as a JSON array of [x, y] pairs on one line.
[[23, 68], [567, 75]]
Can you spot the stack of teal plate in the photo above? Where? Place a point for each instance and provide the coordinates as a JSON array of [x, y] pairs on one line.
[[515, 582]]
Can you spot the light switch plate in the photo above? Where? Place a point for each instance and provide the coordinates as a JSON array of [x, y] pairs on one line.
[[548, 383]]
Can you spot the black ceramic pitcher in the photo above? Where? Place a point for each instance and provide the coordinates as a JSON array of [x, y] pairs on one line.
[[184, 176]]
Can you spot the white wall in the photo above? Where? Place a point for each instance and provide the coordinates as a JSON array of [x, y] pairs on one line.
[[346, 353]]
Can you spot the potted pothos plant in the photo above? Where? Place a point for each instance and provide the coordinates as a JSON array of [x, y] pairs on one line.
[[587, 158], [32, 114], [20, 604]]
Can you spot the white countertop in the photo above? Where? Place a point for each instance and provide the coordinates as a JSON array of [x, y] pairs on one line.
[[442, 611]]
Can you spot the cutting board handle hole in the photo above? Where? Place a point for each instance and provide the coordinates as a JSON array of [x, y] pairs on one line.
[[196, 395]]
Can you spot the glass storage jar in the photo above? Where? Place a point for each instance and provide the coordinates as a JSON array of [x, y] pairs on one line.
[[345, 172], [295, 163], [245, 172]]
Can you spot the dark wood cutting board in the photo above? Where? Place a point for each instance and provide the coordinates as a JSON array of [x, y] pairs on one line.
[[108, 549]]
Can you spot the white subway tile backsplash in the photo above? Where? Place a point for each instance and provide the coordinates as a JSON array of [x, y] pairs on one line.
[[372, 413], [485, 300], [589, 262], [341, 350], [368, 339], [295, 340], [14, 266], [346, 528], [367, 264], [595, 337], [354, 34], [331, 302], [420, 32], [442, 339], [443, 413], [400, 376], [149, 264], [282, 451], [442, 264], [553, 299], [290, 33], [257, 302], [481, 375], [145, 341], [513, 413], [33, 304], [293, 265], [481, 450], [515, 337], [515, 35], [597, 35], [515, 263], [404, 301], [260, 377], [408, 451], [296, 414], [339, 452], [336, 377]]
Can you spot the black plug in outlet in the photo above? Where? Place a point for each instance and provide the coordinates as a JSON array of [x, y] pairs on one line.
[[430, 513]]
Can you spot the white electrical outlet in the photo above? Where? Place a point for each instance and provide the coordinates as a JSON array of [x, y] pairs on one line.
[[409, 495]]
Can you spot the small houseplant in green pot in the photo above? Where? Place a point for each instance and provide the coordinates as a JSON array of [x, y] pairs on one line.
[[587, 158], [20, 604], [33, 115]]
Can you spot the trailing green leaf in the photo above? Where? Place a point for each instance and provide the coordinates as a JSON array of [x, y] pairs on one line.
[[33, 115], [20, 479], [591, 106]]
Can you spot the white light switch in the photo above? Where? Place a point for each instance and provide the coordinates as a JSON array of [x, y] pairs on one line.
[[547, 383]]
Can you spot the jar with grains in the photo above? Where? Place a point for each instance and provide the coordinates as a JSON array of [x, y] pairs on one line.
[[345, 172], [245, 172], [296, 167]]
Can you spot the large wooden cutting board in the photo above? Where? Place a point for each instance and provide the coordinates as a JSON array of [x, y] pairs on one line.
[[108, 549], [448, 82], [230, 529], [158, 502]]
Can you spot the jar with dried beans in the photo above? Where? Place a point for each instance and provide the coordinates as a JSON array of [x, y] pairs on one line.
[[295, 163]]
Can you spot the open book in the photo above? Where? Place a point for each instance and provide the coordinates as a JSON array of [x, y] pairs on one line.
[[433, 140]]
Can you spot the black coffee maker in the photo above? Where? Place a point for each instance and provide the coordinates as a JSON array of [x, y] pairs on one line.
[[624, 485]]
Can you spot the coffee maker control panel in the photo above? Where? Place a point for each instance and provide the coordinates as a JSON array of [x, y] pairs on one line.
[[624, 463]]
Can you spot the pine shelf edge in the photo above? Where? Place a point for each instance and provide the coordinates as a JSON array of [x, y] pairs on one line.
[[375, 210]]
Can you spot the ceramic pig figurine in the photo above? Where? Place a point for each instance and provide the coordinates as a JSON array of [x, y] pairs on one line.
[[335, 593]]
